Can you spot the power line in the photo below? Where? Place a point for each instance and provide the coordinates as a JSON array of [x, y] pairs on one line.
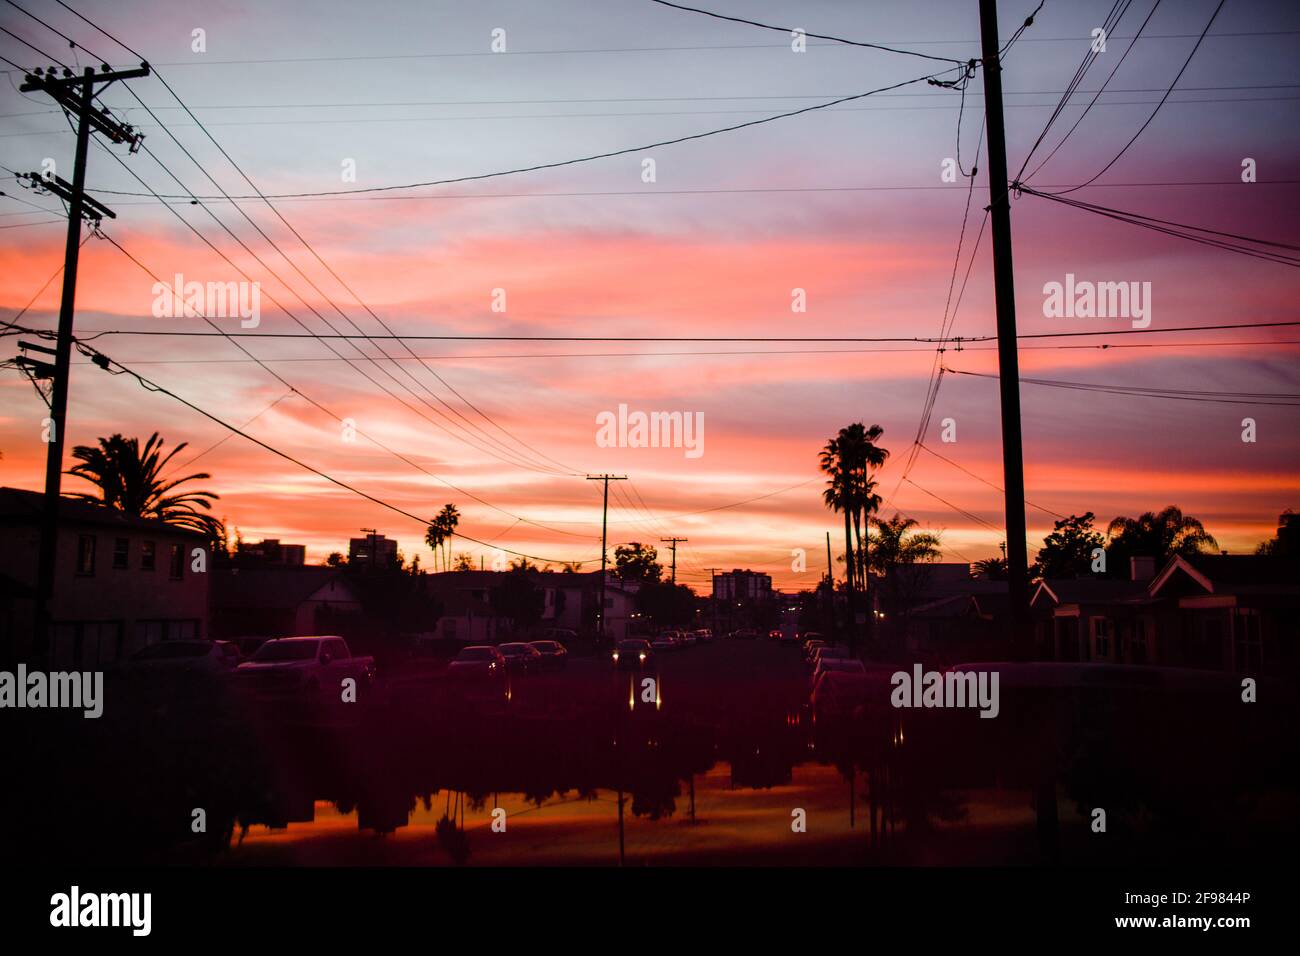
[[310, 248], [1199, 234], [106, 363], [1092, 102], [818, 36], [719, 354], [1170, 90], [559, 163], [1172, 394], [995, 487], [175, 333], [340, 419]]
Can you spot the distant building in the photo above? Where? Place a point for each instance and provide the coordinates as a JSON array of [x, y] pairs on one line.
[[273, 551], [741, 585], [373, 550], [120, 582], [569, 602]]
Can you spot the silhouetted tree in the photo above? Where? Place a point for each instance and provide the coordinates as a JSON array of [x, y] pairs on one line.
[[1155, 534], [130, 479], [1067, 551]]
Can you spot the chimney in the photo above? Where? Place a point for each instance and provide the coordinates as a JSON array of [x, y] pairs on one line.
[[1142, 567]]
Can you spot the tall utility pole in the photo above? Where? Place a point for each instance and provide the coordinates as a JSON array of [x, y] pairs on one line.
[[604, 520], [673, 542], [76, 95], [1013, 466]]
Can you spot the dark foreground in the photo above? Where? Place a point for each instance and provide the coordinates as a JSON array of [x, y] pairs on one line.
[[719, 762]]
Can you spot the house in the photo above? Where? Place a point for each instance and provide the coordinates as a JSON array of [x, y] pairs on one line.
[[568, 601], [1238, 613], [121, 582], [470, 620], [1233, 612], [1093, 619], [282, 601]]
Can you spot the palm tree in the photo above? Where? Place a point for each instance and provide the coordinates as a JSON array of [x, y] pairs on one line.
[[448, 518], [129, 478], [1160, 535], [897, 545], [434, 537], [992, 569], [848, 459]]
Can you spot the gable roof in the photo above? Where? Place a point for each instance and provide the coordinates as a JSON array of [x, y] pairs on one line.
[[1232, 574], [274, 588], [1089, 590]]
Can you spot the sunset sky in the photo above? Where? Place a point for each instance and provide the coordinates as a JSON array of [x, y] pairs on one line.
[[846, 203]]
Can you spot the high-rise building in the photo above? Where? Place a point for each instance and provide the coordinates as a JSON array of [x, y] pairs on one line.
[[374, 550]]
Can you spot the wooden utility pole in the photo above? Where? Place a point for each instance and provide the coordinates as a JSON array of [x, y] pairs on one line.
[[1013, 468], [604, 516], [673, 542], [76, 96]]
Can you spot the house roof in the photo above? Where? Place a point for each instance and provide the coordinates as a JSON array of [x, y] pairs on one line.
[[1233, 574], [1089, 590], [273, 588], [18, 507]]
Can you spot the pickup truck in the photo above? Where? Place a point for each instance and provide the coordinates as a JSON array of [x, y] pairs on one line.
[[306, 667]]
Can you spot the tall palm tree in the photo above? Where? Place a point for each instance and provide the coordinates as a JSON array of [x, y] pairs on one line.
[[129, 478], [849, 459], [434, 536], [448, 518]]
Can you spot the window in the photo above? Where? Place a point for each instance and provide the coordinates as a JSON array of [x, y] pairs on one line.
[[86, 554], [148, 555], [1140, 641], [176, 562], [1101, 637], [121, 548], [1248, 647]]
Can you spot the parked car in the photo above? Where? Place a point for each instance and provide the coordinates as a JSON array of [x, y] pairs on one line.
[[207, 658], [837, 665], [248, 645], [810, 648], [554, 654], [745, 634], [521, 658], [478, 661], [665, 643], [303, 666], [633, 653], [839, 692], [559, 635], [685, 638], [827, 651], [704, 635]]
